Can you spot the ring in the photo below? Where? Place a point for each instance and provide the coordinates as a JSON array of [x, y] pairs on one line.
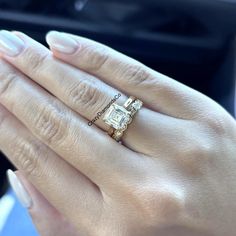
[[119, 117]]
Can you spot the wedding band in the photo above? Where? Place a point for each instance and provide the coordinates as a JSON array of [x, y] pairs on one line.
[[119, 117]]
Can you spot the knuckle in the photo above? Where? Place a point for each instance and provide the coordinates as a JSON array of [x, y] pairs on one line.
[[84, 95], [195, 150], [169, 207], [7, 82], [97, 57], [3, 118], [137, 75], [217, 124], [156, 205], [195, 156], [51, 124], [27, 156], [36, 60]]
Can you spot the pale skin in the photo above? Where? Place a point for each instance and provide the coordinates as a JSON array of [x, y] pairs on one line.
[[174, 174]]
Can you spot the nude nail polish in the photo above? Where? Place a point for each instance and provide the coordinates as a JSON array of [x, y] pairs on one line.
[[10, 44], [19, 190], [62, 42]]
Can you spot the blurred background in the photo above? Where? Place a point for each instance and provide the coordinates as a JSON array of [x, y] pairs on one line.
[[192, 41]]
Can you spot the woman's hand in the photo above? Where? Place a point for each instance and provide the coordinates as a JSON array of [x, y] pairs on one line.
[[175, 173]]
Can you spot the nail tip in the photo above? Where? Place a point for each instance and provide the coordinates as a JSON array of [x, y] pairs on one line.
[[9, 173], [4, 31], [10, 44], [51, 32], [48, 36], [19, 189], [61, 42]]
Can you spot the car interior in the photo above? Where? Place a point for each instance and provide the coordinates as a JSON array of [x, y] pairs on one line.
[[192, 41]]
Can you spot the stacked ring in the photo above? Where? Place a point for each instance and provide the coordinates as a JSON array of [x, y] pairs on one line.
[[119, 117]]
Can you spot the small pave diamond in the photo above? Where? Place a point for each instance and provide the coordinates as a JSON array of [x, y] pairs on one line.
[[137, 105], [117, 117]]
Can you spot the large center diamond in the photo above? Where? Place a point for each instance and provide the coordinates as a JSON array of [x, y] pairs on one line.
[[117, 116]]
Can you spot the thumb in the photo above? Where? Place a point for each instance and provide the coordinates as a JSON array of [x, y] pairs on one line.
[[48, 221]]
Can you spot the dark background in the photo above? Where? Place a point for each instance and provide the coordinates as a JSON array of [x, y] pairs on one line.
[[192, 41]]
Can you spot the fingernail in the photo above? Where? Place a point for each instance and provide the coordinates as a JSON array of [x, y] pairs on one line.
[[19, 189], [10, 44], [61, 42]]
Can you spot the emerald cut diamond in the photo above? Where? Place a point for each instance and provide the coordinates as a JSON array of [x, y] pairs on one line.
[[117, 117]]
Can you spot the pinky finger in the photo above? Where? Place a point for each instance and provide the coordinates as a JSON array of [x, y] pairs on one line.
[[47, 220]]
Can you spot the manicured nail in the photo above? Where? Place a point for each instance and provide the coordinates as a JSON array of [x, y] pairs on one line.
[[61, 42], [10, 44], [19, 189]]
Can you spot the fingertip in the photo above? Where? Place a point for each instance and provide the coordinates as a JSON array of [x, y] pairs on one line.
[[49, 35], [61, 42], [19, 189]]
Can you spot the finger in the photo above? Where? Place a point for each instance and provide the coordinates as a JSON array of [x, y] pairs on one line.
[[157, 91], [43, 168], [82, 92], [87, 148], [87, 95], [47, 219]]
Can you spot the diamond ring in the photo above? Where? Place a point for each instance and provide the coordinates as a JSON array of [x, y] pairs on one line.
[[119, 117]]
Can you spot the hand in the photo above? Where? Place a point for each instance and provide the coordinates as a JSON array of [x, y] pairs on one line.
[[173, 175]]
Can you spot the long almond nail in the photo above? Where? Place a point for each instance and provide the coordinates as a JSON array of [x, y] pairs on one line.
[[10, 44], [19, 190], [61, 42]]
